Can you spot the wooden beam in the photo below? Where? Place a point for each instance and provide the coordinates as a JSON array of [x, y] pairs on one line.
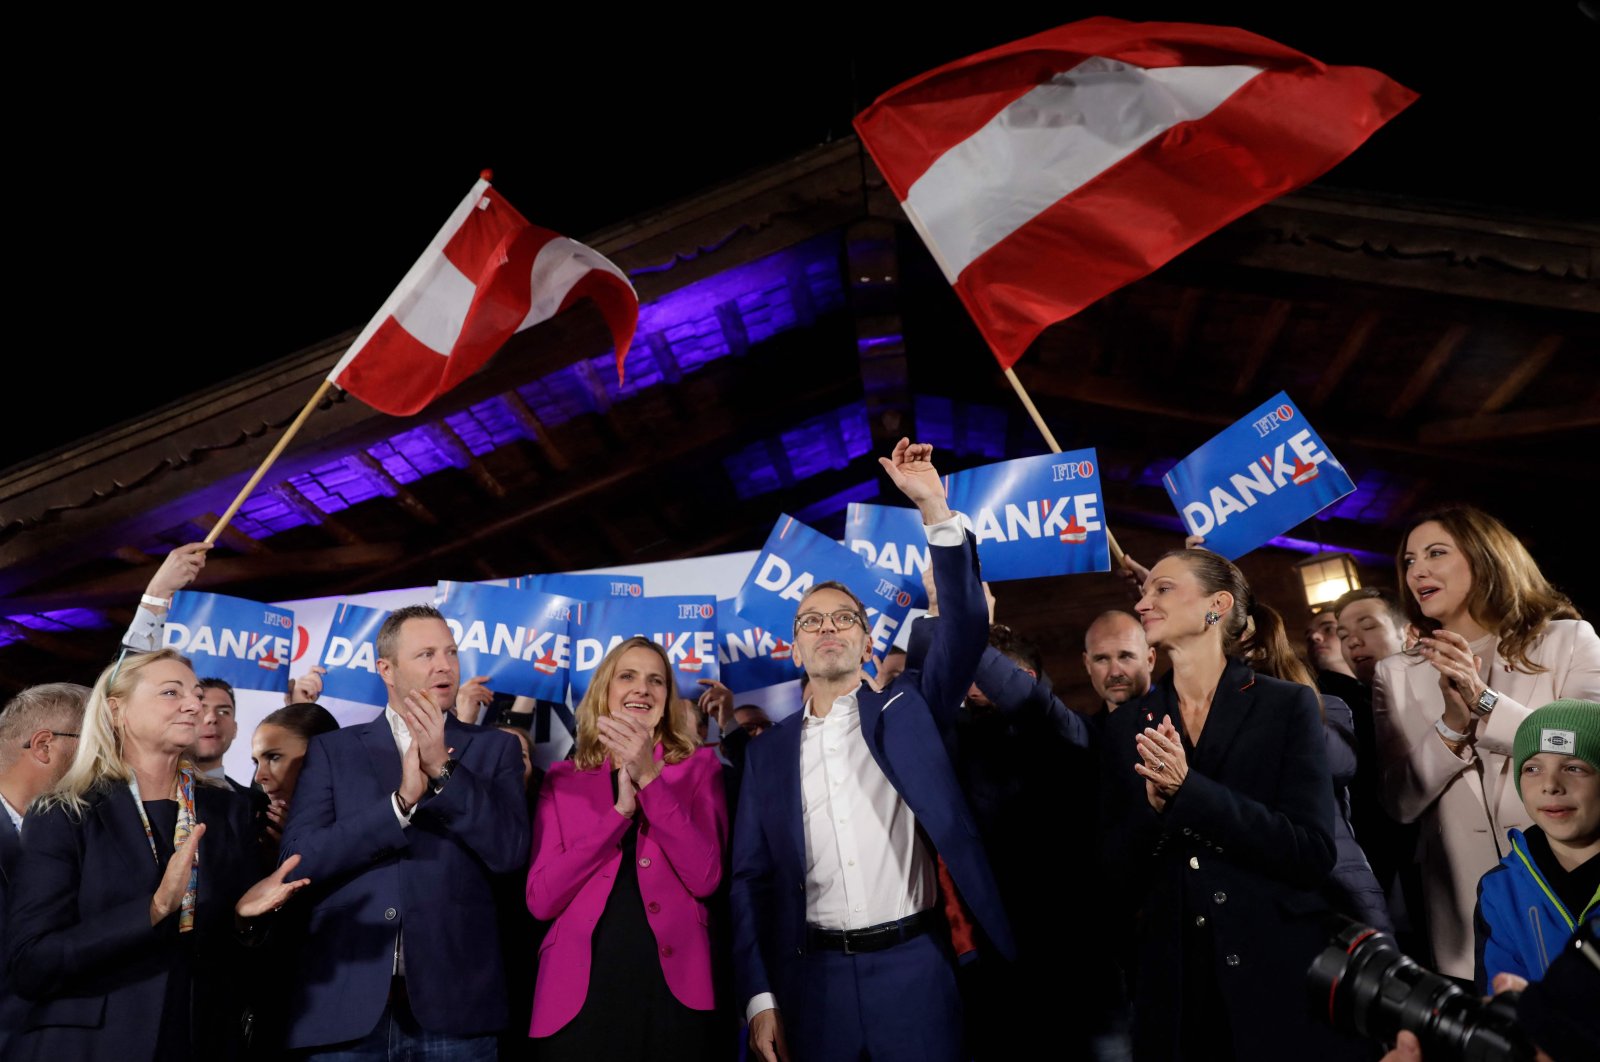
[[231, 536], [660, 349], [52, 642], [445, 437], [395, 489], [1198, 408], [1428, 370], [1261, 345], [733, 330], [1354, 341], [290, 495], [1522, 373], [536, 430], [124, 587], [1522, 424]]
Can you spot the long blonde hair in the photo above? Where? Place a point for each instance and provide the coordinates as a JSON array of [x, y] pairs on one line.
[[99, 755], [673, 731]]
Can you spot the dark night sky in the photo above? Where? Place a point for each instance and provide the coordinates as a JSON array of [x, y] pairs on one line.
[[194, 211]]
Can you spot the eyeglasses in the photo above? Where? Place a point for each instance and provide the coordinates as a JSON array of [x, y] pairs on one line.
[[843, 620], [54, 733]]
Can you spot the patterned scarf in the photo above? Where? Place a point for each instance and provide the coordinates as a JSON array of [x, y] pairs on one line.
[[179, 836]]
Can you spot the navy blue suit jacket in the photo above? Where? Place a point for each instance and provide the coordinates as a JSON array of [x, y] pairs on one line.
[[79, 940], [904, 727], [11, 1008], [370, 878]]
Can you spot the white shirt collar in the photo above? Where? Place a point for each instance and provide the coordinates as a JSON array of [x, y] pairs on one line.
[[397, 725], [844, 707], [15, 815]]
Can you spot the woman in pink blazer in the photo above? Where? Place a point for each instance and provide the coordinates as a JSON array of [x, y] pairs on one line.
[[1500, 642], [627, 845]]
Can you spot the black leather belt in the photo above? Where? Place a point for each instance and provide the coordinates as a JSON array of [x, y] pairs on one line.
[[873, 938]]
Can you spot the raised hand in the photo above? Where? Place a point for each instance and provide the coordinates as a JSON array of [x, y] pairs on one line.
[[911, 469], [307, 688], [472, 698], [175, 879], [271, 892], [178, 570], [717, 702]]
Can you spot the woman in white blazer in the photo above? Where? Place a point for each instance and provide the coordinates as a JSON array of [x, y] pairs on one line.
[[1501, 642]]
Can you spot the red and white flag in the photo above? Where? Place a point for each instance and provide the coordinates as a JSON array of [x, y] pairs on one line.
[[1046, 173], [486, 276]]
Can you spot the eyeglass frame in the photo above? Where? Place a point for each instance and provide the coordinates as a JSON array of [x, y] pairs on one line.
[[857, 617], [54, 733]]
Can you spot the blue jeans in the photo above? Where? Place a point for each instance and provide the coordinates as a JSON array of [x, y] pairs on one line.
[[398, 1038]]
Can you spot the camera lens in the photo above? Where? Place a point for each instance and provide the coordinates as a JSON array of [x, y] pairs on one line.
[[1362, 983]]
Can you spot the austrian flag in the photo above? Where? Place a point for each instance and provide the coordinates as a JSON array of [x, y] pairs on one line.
[[486, 276], [1046, 173]]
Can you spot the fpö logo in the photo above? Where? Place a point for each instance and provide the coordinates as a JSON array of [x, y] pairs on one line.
[[1072, 470], [1274, 420], [691, 611]]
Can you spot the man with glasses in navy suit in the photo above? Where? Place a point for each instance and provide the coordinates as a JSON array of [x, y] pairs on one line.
[[848, 809]]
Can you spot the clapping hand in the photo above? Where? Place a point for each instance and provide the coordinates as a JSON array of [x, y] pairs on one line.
[[472, 698], [175, 879], [1451, 656], [271, 892], [1164, 765], [631, 746]]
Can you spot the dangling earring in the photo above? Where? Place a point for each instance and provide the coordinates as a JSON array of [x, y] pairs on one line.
[[1212, 618]]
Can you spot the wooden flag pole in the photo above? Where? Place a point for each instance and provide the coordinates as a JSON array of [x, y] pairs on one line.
[[1055, 447], [255, 480]]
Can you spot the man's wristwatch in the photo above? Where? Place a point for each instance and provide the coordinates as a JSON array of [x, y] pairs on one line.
[[436, 783], [1485, 702]]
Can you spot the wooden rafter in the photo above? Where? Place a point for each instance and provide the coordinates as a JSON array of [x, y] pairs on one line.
[[1355, 341], [1523, 372], [1428, 370]]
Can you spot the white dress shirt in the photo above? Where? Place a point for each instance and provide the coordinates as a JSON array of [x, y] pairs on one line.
[[865, 862]]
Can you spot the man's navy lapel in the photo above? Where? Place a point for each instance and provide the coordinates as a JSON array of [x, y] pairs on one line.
[[786, 781], [378, 740], [10, 846]]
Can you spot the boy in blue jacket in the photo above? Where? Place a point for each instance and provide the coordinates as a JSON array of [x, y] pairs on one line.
[[1529, 905]]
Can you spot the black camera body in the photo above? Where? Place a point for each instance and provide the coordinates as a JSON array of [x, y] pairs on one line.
[[1362, 983]]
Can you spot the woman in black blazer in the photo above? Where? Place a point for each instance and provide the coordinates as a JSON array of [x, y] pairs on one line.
[[137, 884], [1220, 826]]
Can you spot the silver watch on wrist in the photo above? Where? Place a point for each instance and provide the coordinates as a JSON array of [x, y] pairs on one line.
[[1485, 702]]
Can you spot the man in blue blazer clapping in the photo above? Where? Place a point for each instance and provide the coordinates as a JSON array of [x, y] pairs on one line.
[[402, 823]]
